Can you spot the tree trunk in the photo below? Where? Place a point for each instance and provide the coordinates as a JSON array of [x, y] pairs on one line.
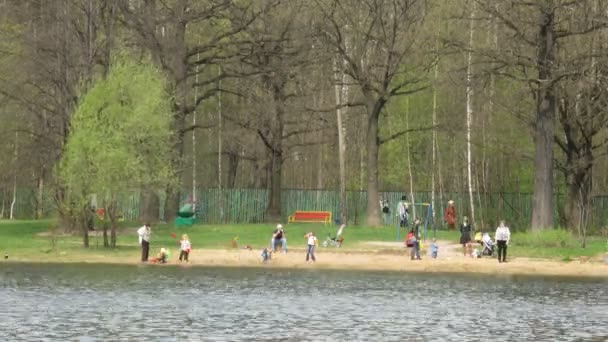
[[40, 196], [84, 226], [339, 93], [150, 206], [273, 211], [14, 200], [2, 208], [67, 216], [542, 211], [182, 100], [113, 218], [434, 144], [173, 195], [320, 159], [409, 160], [105, 223], [469, 95], [275, 146], [440, 180], [172, 202], [106, 243], [219, 140], [373, 147], [578, 200], [233, 167], [194, 155]]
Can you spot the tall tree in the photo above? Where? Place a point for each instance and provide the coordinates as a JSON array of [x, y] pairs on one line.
[[166, 31], [119, 140], [381, 62], [279, 57], [341, 94], [58, 47], [469, 96], [582, 111], [537, 31]]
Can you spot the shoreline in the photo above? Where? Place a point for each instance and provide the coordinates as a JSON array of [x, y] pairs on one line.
[[354, 261]]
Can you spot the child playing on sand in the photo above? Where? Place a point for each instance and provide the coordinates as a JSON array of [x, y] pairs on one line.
[[266, 254], [434, 249], [162, 257], [415, 241], [312, 242], [185, 247]]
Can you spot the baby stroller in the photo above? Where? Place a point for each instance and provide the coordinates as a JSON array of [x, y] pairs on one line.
[[335, 241], [487, 244]]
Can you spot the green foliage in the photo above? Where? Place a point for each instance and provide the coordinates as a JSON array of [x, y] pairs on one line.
[[545, 238], [32, 240], [121, 133]]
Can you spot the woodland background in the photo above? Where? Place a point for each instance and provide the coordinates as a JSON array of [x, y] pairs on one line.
[[495, 103]]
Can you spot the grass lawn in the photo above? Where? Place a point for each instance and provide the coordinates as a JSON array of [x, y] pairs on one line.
[[23, 239]]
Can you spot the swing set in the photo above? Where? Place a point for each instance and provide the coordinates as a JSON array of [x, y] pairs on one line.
[[429, 212]]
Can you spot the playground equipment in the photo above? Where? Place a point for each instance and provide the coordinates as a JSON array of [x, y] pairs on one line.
[[429, 212], [185, 216], [337, 240], [310, 216]]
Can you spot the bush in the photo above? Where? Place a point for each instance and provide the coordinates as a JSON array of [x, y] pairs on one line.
[[546, 238]]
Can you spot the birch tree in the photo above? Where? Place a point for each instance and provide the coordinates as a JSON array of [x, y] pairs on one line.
[[469, 96], [341, 93]]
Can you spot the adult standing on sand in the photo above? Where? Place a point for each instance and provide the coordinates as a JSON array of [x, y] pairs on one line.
[[465, 236], [312, 241], [144, 240], [450, 215], [403, 212], [502, 237]]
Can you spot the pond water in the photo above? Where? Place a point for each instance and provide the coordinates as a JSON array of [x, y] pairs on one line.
[[158, 303]]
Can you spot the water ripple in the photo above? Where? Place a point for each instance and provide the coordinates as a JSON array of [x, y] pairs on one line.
[[121, 303]]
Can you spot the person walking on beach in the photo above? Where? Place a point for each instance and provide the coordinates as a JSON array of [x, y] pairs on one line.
[[502, 237], [403, 212], [312, 242], [465, 236], [144, 240], [450, 215]]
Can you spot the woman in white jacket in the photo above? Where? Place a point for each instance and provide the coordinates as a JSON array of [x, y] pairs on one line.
[[502, 237]]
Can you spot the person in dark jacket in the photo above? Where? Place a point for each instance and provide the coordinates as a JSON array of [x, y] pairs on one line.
[[465, 236]]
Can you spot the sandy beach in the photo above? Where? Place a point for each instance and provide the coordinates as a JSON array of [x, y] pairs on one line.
[[384, 261], [375, 256]]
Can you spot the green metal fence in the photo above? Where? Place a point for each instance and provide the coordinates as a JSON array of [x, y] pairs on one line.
[[248, 206]]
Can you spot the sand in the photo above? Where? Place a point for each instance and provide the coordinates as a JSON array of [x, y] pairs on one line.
[[400, 261], [371, 256]]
